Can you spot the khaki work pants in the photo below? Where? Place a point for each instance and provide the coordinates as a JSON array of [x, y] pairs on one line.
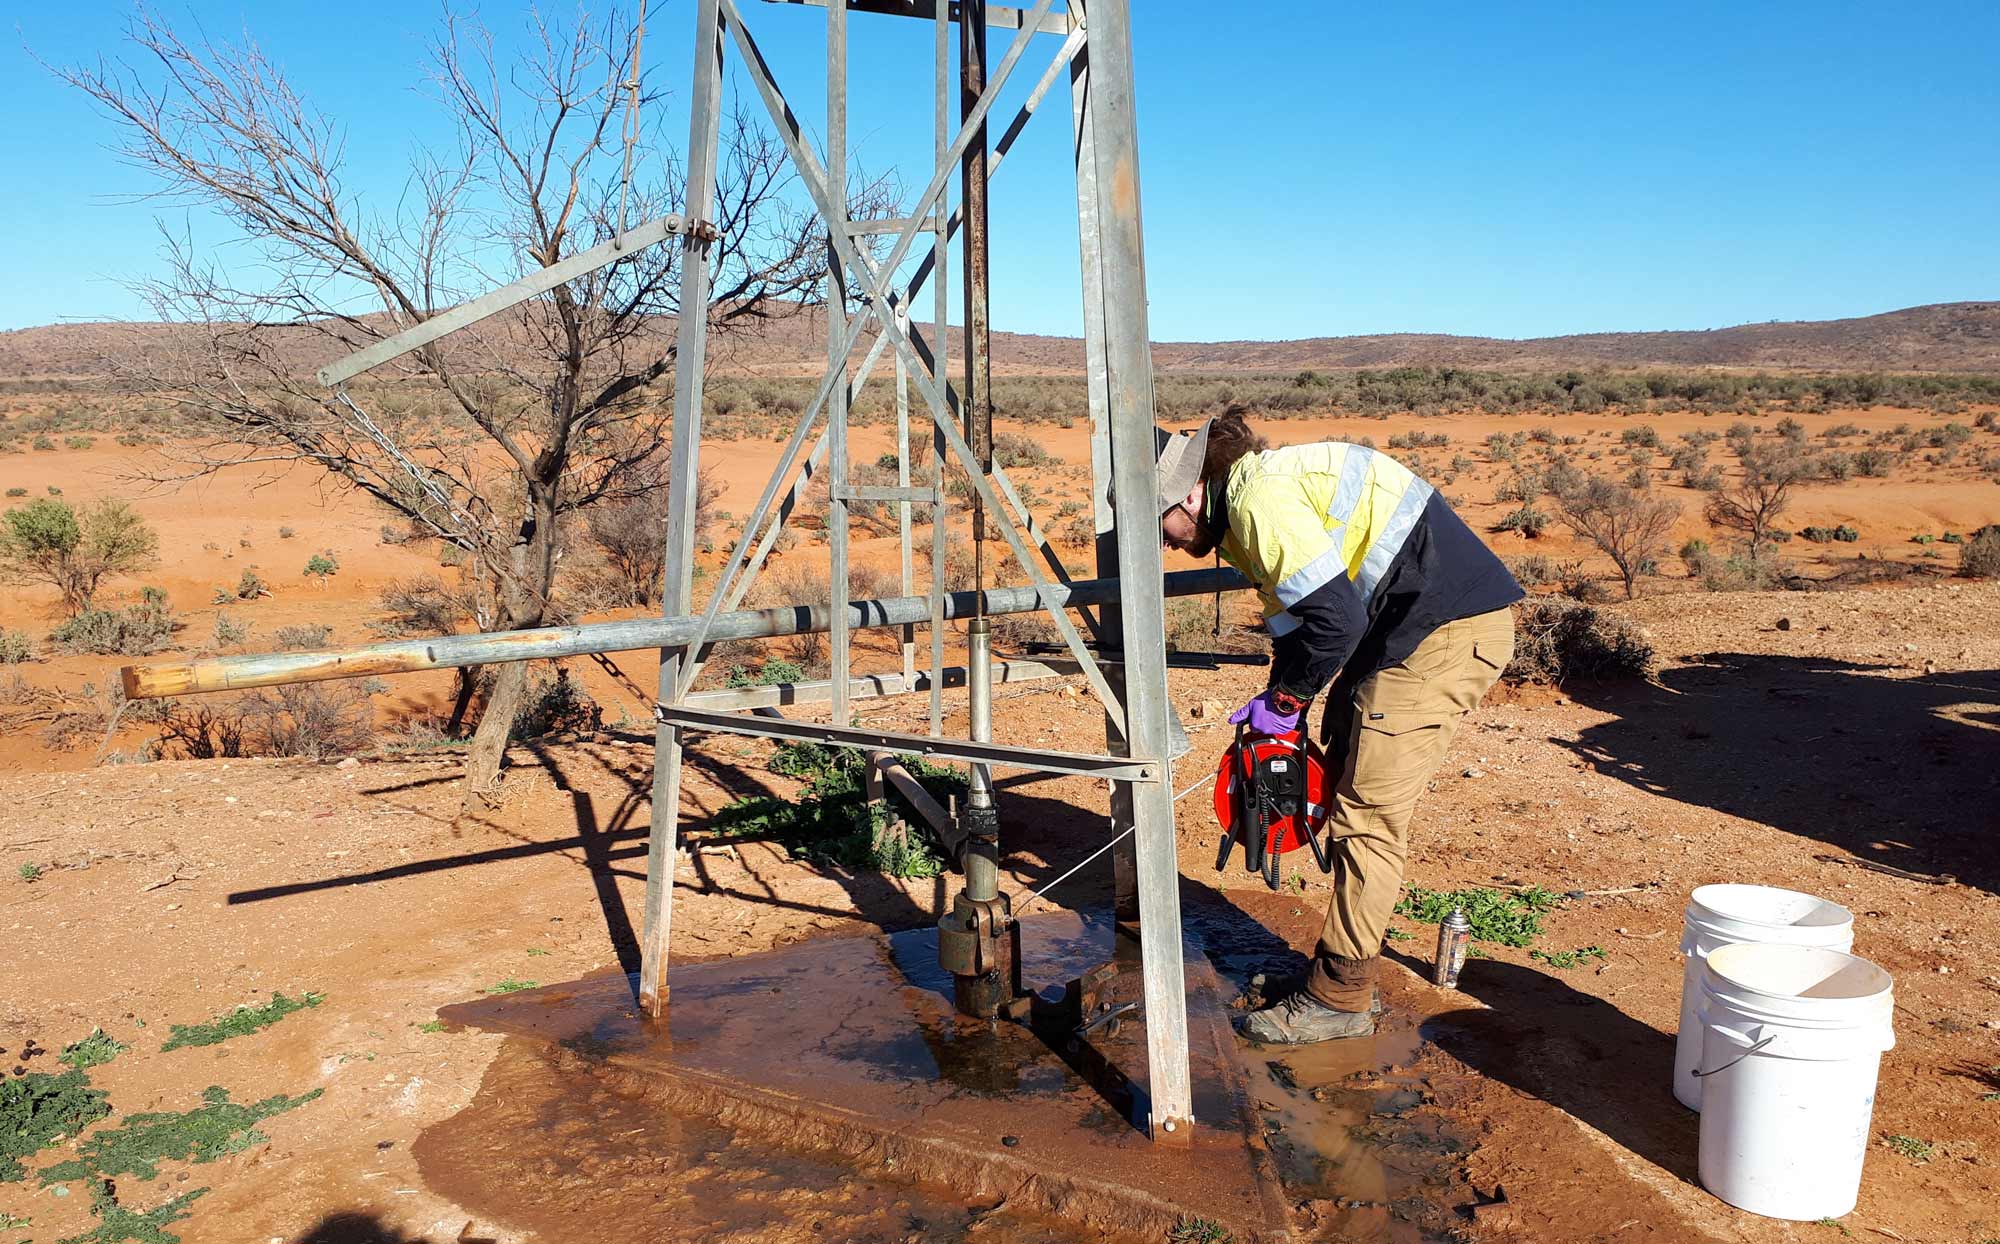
[[1403, 719]]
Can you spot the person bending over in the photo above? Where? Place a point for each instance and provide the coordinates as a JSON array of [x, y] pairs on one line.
[[1371, 583]]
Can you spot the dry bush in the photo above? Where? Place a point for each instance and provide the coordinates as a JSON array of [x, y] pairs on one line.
[[557, 705], [134, 631], [313, 720], [306, 637], [16, 648], [632, 535], [1979, 556], [1534, 570], [421, 605], [309, 720], [205, 729], [1558, 641]]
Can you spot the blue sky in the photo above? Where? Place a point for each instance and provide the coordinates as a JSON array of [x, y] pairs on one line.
[[1488, 169]]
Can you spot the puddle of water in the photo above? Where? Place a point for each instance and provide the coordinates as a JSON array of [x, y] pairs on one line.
[[563, 1159]]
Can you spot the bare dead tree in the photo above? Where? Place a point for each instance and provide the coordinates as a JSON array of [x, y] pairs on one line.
[[488, 438], [1628, 526], [1752, 505]]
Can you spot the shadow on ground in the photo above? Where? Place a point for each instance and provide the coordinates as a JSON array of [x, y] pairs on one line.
[[1578, 1053], [1901, 771], [357, 1227]]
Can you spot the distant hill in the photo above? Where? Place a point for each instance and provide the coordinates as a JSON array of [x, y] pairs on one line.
[[1946, 337]]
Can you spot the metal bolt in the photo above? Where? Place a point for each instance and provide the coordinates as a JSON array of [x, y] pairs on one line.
[[1168, 1125]]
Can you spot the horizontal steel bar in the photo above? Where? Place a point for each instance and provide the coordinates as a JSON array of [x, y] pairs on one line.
[[888, 492], [869, 686], [538, 282], [895, 224], [630, 635], [1005, 18], [1083, 764]]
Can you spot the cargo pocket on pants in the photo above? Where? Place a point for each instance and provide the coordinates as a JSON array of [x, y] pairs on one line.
[[1395, 753]]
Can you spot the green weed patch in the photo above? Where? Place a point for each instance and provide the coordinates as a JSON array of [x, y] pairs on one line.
[[1563, 960], [118, 1225], [94, 1050], [36, 1108], [215, 1129], [831, 822], [510, 985], [1509, 917], [240, 1022]]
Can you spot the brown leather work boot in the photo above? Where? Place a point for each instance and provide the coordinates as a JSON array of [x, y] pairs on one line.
[[1302, 1019]]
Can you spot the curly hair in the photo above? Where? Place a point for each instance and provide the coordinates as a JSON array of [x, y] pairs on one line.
[[1229, 438]]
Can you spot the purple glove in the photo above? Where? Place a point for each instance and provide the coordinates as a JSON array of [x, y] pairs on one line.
[[1263, 716]]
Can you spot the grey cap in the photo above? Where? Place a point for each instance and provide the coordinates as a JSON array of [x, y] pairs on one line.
[[1179, 457]]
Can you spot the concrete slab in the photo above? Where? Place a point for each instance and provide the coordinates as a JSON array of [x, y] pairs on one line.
[[851, 1045]]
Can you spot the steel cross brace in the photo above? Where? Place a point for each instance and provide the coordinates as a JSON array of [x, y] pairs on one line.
[[541, 281], [1084, 764], [868, 273]]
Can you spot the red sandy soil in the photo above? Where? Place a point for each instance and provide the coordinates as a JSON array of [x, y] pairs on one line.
[[1867, 725]]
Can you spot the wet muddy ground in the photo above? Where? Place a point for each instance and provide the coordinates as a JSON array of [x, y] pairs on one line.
[[826, 1091]]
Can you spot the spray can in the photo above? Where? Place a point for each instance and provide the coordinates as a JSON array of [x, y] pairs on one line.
[[1454, 936]]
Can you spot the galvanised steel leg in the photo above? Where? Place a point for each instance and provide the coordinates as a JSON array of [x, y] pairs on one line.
[[1129, 370], [1124, 856], [656, 928], [940, 312], [836, 347]]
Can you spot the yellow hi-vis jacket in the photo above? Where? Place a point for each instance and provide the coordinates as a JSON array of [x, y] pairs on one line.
[[1349, 551]]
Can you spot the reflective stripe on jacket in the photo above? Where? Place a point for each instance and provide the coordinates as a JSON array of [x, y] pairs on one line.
[[1300, 515], [1355, 558]]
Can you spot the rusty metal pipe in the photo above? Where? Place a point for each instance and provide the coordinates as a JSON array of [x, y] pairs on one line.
[[948, 833], [411, 656]]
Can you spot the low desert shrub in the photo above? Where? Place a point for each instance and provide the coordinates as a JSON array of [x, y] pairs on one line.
[[321, 565], [1557, 640], [16, 648], [1744, 571], [1016, 449], [1873, 463], [314, 719], [229, 632], [557, 705], [17, 492], [1979, 556], [420, 605], [134, 631], [1527, 520], [305, 637], [1842, 534], [1534, 570]]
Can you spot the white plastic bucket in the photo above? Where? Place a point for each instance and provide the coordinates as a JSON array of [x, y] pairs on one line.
[[1724, 915], [1792, 1039]]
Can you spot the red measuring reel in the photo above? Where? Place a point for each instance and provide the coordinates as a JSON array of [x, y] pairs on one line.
[[1272, 795]]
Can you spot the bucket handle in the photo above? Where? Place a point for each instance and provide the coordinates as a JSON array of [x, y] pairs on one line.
[[1739, 1058]]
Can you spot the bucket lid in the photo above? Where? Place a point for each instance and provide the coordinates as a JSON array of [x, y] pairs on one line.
[[1800, 974], [1767, 906]]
